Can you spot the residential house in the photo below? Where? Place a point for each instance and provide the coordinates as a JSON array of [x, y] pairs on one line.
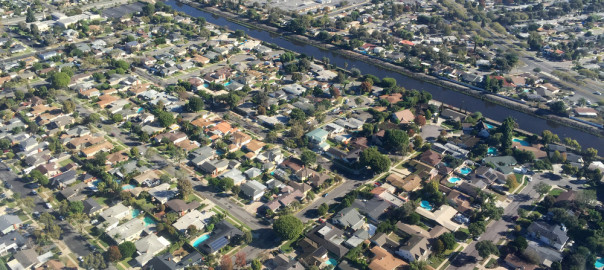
[[128, 231], [416, 248], [373, 208], [384, 260], [148, 178], [148, 247], [221, 236], [114, 214], [403, 117], [328, 237], [92, 207], [430, 157], [162, 193], [193, 218], [552, 235], [253, 189], [11, 241], [181, 207], [452, 115], [317, 137], [349, 218], [9, 223], [65, 179], [409, 183], [215, 167]]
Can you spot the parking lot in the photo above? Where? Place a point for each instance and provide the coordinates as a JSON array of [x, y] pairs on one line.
[[120, 11]]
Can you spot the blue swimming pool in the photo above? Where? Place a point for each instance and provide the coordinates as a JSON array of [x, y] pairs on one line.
[[205, 85], [96, 183], [489, 126], [492, 151], [135, 213], [426, 205], [227, 83], [465, 170], [599, 263], [128, 187], [149, 221], [521, 142], [332, 261], [200, 239], [454, 179]]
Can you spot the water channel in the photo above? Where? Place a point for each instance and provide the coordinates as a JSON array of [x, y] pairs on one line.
[[496, 112]]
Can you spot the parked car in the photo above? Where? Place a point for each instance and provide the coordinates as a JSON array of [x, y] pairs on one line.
[[33, 193], [8, 185], [325, 195], [48, 205]]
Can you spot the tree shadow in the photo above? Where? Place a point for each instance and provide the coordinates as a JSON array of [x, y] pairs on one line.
[[463, 259], [265, 238]]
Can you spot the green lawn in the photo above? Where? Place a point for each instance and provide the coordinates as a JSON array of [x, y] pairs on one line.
[[66, 162], [556, 191], [101, 200]]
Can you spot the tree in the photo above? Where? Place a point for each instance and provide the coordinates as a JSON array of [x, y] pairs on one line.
[[256, 264], [76, 207], [418, 265], [511, 182], [116, 118], [590, 154], [195, 104], [93, 118], [448, 240], [127, 249], [373, 158], [288, 227], [558, 107], [542, 188], [486, 248], [439, 247], [59, 80], [240, 259], [37, 176], [520, 243], [166, 119], [184, 187], [148, 9], [134, 152], [30, 16], [114, 254], [477, 228], [68, 106], [226, 263], [308, 157], [323, 208], [397, 139], [507, 129]]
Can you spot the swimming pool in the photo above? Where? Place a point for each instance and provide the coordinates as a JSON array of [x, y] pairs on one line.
[[492, 151], [599, 263], [489, 126], [135, 213], [521, 142], [227, 83], [149, 221], [454, 179], [200, 239], [465, 170], [426, 205], [96, 183], [332, 261], [128, 187]]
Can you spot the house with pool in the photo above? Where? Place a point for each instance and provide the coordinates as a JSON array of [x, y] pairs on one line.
[[224, 232]]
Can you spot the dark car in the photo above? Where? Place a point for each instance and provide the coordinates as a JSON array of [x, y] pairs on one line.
[[32, 185], [568, 187], [515, 218], [7, 185]]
